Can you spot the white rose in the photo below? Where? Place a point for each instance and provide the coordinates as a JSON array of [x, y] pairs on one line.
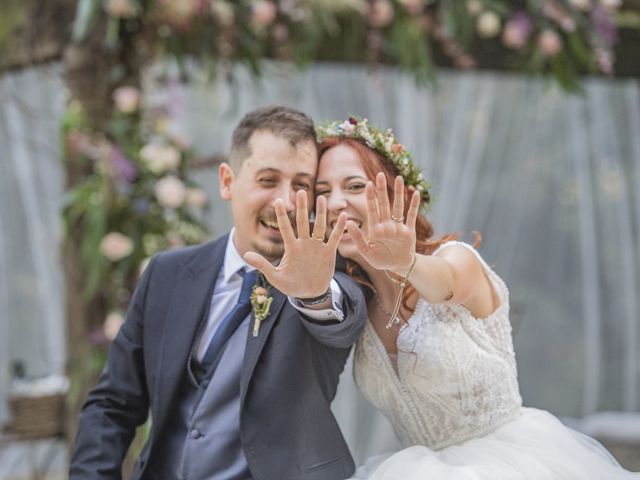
[[223, 11], [126, 99], [170, 192], [112, 325], [160, 158], [169, 157], [488, 24], [116, 246], [474, 7]]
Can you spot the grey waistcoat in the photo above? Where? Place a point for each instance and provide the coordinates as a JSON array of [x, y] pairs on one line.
[[202, 439]]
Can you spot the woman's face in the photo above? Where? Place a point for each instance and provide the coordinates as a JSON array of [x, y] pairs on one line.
[[341, 179]]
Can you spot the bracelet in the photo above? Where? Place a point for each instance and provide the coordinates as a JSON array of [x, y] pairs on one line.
[[404, 280], [316, 300], [402, 283]]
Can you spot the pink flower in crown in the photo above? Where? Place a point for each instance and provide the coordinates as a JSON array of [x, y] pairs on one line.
[[397, 148], [347, 127]]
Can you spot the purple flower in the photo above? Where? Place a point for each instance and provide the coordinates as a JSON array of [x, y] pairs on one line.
[[517, 30], [124, 170], [604, 26]]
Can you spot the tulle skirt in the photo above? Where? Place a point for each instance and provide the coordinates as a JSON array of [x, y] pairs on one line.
[[534, 446]]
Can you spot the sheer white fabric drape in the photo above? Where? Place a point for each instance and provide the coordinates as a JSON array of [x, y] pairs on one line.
[[32, 329], [551, 181]]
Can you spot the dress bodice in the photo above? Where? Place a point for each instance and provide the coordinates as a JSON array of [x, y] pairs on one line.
[[456, 375]]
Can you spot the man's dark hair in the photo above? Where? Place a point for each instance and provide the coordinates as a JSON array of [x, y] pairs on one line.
[[285, 122]]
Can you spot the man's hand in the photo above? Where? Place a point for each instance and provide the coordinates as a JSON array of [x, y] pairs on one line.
[[308, 263]]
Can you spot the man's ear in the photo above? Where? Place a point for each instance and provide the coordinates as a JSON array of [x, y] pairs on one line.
[[225, 174]]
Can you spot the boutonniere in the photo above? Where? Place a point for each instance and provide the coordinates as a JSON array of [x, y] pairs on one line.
[[260, 303]]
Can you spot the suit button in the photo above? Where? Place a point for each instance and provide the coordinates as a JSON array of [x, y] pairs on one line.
[[195, 433]]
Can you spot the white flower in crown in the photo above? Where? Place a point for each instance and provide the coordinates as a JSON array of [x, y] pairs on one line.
[[385, 144]]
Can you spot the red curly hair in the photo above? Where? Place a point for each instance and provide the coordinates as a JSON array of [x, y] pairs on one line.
[[372, 163]]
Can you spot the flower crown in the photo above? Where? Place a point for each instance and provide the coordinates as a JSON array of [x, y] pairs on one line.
[[385, 144]]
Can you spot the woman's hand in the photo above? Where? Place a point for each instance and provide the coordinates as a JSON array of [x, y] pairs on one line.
[[389, 242]]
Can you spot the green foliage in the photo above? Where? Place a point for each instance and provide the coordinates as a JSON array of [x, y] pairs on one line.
[[15, 14], [116, 212], [223, 32]]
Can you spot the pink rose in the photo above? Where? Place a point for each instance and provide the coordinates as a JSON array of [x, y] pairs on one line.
[[116, 246], [380, 13], [126, 99], [196, 197], [261, 299], [413, 7], [263, 13], [170, 192], [550, 43], [121, 8]]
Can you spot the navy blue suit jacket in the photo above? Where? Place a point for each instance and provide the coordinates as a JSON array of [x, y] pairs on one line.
[[289, 376]]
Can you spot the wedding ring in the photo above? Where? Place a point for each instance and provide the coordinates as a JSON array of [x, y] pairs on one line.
[[317, 239], [397, 219]]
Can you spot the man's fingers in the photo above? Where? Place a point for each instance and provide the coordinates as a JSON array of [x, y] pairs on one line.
[[284, 224], [382, 197], [302, 214], [338, 231], [358, 237], [398, 198], [414, 207], [320, 224], [260, 263]]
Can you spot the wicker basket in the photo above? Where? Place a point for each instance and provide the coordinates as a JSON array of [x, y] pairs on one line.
[[37, 417]]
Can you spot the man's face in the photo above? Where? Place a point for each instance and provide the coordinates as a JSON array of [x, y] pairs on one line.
[[274, 170]]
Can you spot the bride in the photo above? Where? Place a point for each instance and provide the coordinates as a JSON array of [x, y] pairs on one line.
[[436, 357]]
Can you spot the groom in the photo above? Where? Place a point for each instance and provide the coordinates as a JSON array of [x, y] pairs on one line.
[[232, 397]]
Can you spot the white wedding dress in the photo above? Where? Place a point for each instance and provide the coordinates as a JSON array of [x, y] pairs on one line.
[[452, 396]]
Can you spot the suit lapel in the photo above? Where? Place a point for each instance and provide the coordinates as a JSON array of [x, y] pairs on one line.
[[193, 289], [255, 345]]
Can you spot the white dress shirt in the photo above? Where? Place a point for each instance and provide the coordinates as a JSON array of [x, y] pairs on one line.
[[227, 290]]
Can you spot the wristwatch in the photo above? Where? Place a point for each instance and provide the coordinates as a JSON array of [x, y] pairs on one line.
[[307, 302]]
